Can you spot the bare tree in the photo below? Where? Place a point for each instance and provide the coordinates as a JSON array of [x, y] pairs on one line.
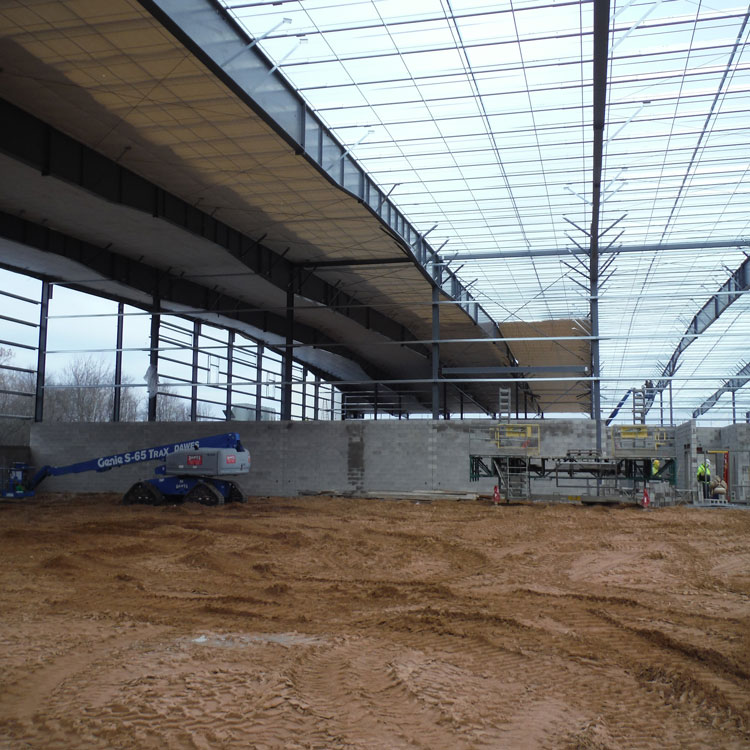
[[170, 408], [16, 388], [80, 400], [130, 401], [83, 392]]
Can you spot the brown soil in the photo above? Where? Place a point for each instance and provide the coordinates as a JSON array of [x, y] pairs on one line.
[[331, 623]]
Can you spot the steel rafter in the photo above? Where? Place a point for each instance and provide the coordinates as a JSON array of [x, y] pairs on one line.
[[730, 291], [733, 384], [34, 142]]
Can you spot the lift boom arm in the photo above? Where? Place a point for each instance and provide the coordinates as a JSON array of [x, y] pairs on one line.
[[128, 458]]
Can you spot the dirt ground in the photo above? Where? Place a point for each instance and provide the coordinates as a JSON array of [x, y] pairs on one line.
[[340, 623]]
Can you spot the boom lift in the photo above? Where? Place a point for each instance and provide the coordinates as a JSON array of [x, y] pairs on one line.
[[192, 471]]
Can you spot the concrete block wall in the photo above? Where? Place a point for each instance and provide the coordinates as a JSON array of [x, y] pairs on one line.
[[286, 457], [350, 457], [685, 446], [14, 441], [558, 436], [692, 443], [709, 438], [293, 457], [736, 439]]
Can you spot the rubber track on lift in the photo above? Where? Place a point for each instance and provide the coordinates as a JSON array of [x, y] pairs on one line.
[[143, 493], [235, 494], [205, 494]]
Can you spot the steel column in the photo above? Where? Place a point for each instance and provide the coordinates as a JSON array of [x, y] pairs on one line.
[[601, 53], [259, 383], [661, 408], [153, 360], [288, 360], [304, 393], [194, 376], [117, 400], [41, 353], [435, 352], [671, 414], [230, 358]]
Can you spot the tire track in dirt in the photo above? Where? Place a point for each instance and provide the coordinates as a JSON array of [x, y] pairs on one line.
[[550, 667], [716, 686], [360, 695], [498, 661], [682, 689], [24, 697]]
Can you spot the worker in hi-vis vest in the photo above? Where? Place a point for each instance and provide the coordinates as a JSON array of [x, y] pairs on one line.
[[704, 477]]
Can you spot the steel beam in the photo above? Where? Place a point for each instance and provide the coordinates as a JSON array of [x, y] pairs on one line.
[[209, 31], [738, 242], [490, 371], [351, 262]]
